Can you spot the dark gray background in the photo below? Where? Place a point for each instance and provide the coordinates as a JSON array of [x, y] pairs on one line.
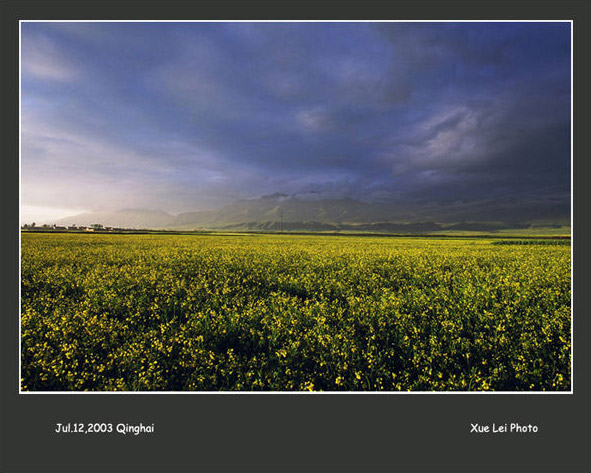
[[281, 433]]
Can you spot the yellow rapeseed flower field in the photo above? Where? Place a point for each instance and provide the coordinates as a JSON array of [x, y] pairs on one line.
[[289, 312]]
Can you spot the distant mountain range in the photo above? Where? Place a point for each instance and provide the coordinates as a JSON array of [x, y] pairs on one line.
[[279, 212]]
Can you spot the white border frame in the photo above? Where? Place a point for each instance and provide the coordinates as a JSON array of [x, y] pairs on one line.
[[571, 22]]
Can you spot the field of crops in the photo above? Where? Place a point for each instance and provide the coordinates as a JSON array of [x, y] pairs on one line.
[[282, 313]]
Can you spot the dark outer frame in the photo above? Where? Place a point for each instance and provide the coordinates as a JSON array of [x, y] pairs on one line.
[[290, 432]]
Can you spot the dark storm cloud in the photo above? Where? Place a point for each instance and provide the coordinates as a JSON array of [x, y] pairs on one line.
[[181, 116]]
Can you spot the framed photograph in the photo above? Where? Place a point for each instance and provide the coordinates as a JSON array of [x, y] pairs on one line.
[[288, 239]]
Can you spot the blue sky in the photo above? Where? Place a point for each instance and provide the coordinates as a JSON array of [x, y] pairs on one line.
[[189, 116]]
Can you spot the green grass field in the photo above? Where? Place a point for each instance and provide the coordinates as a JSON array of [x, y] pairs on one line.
[[287, 312]]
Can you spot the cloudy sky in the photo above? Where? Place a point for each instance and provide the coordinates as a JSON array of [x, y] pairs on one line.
[[189, 116]]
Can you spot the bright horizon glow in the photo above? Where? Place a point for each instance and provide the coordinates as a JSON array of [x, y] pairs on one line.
[[45, 215]]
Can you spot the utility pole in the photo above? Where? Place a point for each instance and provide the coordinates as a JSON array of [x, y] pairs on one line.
[[280, 219]]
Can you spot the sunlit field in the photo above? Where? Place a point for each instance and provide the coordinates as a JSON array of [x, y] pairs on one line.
[[293, 313]]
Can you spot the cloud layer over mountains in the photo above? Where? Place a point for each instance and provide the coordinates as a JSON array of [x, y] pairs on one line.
[[193, 116]]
